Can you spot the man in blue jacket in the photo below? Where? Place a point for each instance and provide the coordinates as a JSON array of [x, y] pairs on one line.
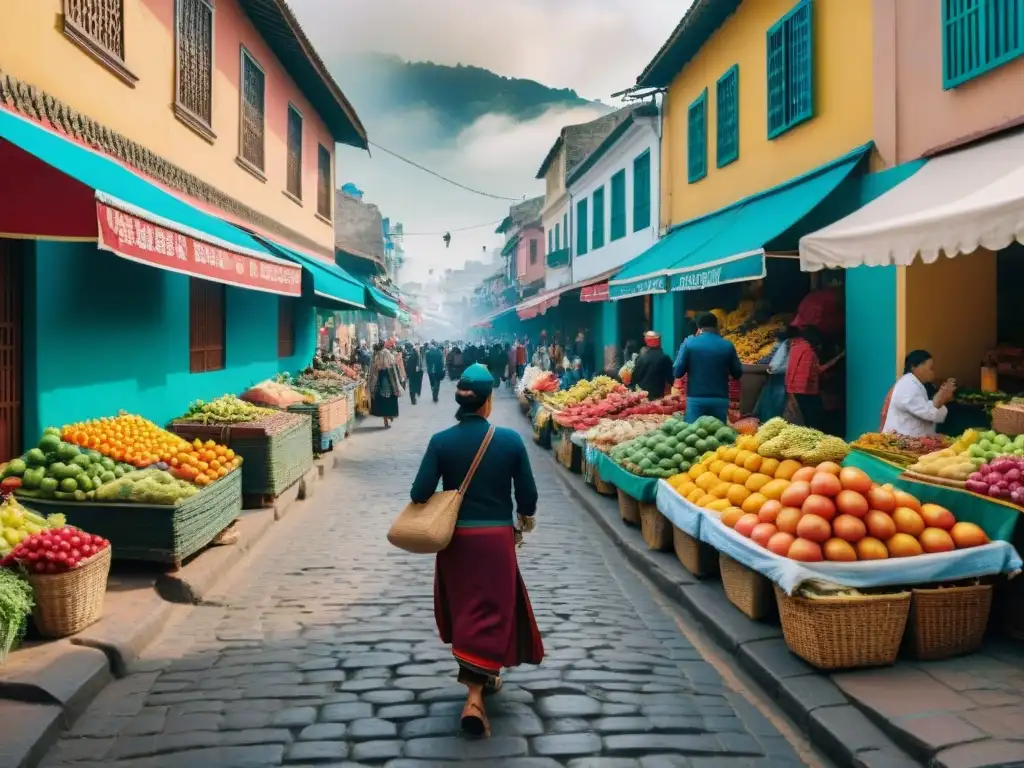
[[708, 361]]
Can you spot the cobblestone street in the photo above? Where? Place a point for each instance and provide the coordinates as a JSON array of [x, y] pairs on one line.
[[321, 649]]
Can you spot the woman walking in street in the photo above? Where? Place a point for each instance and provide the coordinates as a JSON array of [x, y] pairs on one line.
[[383, 385], [480, 601]]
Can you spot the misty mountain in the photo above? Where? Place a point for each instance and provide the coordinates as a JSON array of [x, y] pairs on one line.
[[382, 85]]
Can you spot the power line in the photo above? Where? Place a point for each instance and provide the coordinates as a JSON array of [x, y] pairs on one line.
[[445, 178], [447, 231]]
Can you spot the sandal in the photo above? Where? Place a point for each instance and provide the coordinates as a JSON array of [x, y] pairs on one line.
[[474, 721], [493, 685]]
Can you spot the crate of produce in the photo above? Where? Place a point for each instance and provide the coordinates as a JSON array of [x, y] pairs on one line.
[[948, 621], [326, 418], [629, 508], [746, 589], [844, 631], [655, 528], [698, 558], [162, 533], [277, 451]]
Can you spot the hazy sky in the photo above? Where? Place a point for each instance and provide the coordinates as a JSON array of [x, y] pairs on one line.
[[596, 47]]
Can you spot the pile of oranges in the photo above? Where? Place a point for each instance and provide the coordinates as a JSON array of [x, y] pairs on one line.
[[203, 463]]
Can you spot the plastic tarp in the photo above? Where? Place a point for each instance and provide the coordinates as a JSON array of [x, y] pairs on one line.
[[682, 514], [640, 488]]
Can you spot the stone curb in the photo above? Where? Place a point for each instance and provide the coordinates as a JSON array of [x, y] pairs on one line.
[[832, 723]]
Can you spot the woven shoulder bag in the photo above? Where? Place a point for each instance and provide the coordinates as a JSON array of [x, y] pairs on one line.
[[426, 529]]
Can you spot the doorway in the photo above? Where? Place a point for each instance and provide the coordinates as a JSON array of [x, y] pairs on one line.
[[10, 349]]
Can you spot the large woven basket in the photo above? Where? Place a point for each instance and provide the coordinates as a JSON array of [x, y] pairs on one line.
[[629, 509], [948, 622], [747, 589], [1008, 419], [69, 602], [655, 527], [326, 418], [602, 487], [698, 558], [844, 632]]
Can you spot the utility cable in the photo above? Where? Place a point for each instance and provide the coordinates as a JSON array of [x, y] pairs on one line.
[[445, 178], [447, 231]]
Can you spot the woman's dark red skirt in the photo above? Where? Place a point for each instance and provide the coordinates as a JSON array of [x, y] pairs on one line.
[[481, 605]]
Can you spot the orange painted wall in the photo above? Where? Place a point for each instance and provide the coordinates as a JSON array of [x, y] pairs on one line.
[[34, 49], [950, 310]]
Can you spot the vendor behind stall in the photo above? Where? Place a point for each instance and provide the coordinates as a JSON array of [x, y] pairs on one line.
[[653, 370], [911, 410], [823, 309]]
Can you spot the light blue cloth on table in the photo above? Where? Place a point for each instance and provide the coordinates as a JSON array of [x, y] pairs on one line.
[[682, 514]]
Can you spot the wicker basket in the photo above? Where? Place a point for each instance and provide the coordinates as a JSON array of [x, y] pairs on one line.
[[948, 622], [602, 487], [327, 417], [629, 508], [655, 527], [698, 558], [844, 632], [748, 590], [69, 602], [1008, 419]]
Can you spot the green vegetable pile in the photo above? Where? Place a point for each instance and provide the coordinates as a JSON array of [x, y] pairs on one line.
[[58, 470], [15, 607], [149, 486], [226, 409], [672, 448]]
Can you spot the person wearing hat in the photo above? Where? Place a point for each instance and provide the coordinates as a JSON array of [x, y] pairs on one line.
[[481, 605], [653, 370], [708, 362]]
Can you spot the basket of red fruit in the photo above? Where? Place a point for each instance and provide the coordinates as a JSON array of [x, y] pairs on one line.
[[67, 569]]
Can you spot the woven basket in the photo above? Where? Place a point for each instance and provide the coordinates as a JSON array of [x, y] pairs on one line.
[[844, 632], [655, 527], [69, 602], [748, 590], [604, 488], [1008, 419], [698, 558], [629, 508], [948, 622]]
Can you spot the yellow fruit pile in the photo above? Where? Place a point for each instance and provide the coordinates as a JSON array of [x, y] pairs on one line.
[[735, 477]]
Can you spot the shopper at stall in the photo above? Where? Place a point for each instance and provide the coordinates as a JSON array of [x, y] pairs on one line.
[[481, 604], [653, 370], [556, 353], [521, 357], [910, 410], [708, 362], [434, 359], [541, 359], [573, 373], [414, 365], [383, 384], [803, 377], [772, 400]]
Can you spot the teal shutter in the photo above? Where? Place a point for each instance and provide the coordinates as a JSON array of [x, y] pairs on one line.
[[697, 139], [790, 70], [565, 228], [558, 238], [597, 238], [727, 130], [642, 192], [978, 36], [581, 227], [551, 240], [618, 223]]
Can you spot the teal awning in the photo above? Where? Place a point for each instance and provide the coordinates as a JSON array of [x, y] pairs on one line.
[[380, 302], [728, 245], [330, 282], [510, 246]]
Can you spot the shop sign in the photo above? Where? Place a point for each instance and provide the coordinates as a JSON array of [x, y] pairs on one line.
[[592, 293], [747, 267], [639, 288], [133, 238]]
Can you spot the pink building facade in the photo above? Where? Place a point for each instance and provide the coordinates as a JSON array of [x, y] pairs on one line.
[[530, 256], [925, 104]]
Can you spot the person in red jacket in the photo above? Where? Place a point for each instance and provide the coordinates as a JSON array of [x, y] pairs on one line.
[[803, 373]]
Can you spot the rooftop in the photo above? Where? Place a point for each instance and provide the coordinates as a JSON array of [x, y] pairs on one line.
[[582, 139], [701, 20], [358, 228]]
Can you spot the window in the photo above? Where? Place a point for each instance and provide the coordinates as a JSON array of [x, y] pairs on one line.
[[206, 326], [642, 192], [581, 227], [294, 171], [323, 181], [285, 326], [193, 96], [98, 27], [618, 222], [551, 234], [533, 251], [697, 138], [558, 238], [565, 228], [790, 71], [252, 123], [978, 36], [597, 235], [727, 130]]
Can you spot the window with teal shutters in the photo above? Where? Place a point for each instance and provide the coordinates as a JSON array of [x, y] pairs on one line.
[[697, 139], [558, 238], [642, 192], [978, 36], [565, 228], [581, 227], [597, 235], [727, 129], [551, 240], [618, 222], [790, 70]]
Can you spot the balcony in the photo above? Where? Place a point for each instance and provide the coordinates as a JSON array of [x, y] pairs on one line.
[[559, 258]]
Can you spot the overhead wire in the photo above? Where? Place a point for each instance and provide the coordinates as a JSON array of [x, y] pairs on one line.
[[423, 168], [447, 231]]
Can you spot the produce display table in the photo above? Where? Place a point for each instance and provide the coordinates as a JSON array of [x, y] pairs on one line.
[[643, 489], [328, 420], [997, 518], [158, 533]]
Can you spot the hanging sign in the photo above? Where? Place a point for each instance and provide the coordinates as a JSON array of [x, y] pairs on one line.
[[747, 267], [643, 287], [594, 293], [136, 239]]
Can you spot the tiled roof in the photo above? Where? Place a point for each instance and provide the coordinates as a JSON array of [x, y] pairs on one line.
[[525, 212], [582, 139], [358, 227], [701, 20]]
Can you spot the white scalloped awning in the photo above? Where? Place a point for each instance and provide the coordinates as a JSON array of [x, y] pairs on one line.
[[969, 199]]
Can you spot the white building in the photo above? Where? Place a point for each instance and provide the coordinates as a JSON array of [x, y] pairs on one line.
[[614, 196]]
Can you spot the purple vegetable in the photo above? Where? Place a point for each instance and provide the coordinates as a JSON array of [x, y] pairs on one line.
[[1015, 484], [1013, 474], [977, 477], [977, 486], [993, 477], [1003, 465], [1017, 497], [999, 493]]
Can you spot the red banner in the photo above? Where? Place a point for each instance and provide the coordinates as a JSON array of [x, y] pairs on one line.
[[136, 239], [592, 293]]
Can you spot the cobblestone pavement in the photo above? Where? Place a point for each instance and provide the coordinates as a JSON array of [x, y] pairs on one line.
[[323, 650]]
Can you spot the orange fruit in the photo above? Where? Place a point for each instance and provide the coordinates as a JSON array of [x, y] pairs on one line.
[[752, 504], [737, 494]]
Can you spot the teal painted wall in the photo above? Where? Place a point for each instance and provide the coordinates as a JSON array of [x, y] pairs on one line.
[[870, 345], [105, 334]]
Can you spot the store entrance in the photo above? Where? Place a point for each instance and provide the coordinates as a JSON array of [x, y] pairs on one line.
[[10, 349]]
